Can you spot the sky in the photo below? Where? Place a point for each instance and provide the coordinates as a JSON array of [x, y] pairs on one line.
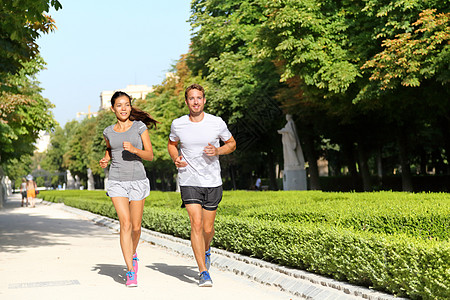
[[105, 45]]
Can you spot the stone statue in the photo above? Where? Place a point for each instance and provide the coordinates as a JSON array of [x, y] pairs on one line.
[[70, 181], [292, 149], [294, 173], [91, 182]]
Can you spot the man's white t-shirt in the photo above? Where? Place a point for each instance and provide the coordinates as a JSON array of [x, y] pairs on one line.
[[201, 170]]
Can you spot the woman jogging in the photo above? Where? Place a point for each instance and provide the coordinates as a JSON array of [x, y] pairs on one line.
[[128, 143]]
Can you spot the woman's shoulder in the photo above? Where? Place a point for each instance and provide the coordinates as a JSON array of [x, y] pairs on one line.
[[108, 129], [138, 124]]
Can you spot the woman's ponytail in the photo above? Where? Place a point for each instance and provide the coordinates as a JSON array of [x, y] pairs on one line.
[[139, 115]]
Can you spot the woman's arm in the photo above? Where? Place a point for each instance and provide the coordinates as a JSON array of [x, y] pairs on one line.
[[147, 152], [104, 161]]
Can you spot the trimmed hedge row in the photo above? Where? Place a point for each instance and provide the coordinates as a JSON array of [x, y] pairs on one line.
[[400, 264], [423, 215]]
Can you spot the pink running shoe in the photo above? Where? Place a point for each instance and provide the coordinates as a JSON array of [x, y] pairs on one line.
[[131, 279], [135, 262]]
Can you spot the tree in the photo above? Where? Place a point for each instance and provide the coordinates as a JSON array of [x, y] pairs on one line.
[[165, 104], [23, 113], [327, 44], [22, 23], [78, 157], [240, 86], [413, 57]]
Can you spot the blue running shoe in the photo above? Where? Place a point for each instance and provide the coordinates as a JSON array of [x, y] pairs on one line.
[[205, 279], [208, 258]]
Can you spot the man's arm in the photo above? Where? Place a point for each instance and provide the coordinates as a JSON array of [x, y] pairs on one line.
[[227, 148], [173, 152]]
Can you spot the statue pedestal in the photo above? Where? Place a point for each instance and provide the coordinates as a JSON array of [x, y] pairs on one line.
[[294, 180]]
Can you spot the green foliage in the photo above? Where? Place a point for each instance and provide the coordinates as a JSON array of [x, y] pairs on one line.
[[18, 168], [422, 215], [22, 23], [97, 148], [413, 57], [319, 232], [77, 158], [23, 113]]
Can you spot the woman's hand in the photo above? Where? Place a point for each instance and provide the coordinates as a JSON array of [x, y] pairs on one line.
[[104, 162], [130, 148]]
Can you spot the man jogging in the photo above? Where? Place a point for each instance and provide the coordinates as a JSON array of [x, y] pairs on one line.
[[199, 171]]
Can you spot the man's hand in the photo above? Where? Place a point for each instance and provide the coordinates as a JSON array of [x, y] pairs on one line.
[[210, 150], [179, 163]]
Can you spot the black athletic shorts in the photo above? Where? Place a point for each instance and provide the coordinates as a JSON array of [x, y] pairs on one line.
[[208, 197]]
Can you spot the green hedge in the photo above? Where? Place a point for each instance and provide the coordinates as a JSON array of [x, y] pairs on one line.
[[393, 242]]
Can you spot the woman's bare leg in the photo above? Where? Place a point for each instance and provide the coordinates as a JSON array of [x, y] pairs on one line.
[[136, 211], [122, 206]]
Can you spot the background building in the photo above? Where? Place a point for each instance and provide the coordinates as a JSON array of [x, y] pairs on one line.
[[135, 91]]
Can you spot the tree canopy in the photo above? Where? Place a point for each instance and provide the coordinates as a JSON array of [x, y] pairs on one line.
[[23, 111]]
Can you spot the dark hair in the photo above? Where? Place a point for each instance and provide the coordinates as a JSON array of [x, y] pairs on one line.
[[194, 86], [136, 114]]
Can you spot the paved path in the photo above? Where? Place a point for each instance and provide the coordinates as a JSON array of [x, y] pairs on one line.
[[56, 252]]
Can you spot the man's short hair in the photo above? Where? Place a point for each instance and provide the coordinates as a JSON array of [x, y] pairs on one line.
[[194, 86]]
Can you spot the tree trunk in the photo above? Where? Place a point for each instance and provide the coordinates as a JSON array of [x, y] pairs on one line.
[[407, 185], [272, 174], [423, 161], [313, 169], [232, 176], [364, 168], [445, 128], [349, 156]]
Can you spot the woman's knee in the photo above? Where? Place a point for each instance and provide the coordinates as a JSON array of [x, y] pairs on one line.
[[135, 227], [125, 225]]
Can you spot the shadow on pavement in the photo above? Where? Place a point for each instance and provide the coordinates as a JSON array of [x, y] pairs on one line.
[[22, 227], [183, 273], [116, 272]]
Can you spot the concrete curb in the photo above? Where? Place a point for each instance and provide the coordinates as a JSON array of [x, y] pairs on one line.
[[297, 282]]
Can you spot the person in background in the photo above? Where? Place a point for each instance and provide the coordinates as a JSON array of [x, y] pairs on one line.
[[258, 184], [31, 191], [23, 191], [199, 171], [127, 144]]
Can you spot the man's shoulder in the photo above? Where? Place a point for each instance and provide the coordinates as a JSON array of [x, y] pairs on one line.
[[180, 120], [213, 117]]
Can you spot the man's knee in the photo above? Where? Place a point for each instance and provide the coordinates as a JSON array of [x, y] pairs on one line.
[[196, 225], [208, 229]]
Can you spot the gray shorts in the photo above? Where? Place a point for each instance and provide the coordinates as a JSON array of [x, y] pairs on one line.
[[133, 190], [208, 197]]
